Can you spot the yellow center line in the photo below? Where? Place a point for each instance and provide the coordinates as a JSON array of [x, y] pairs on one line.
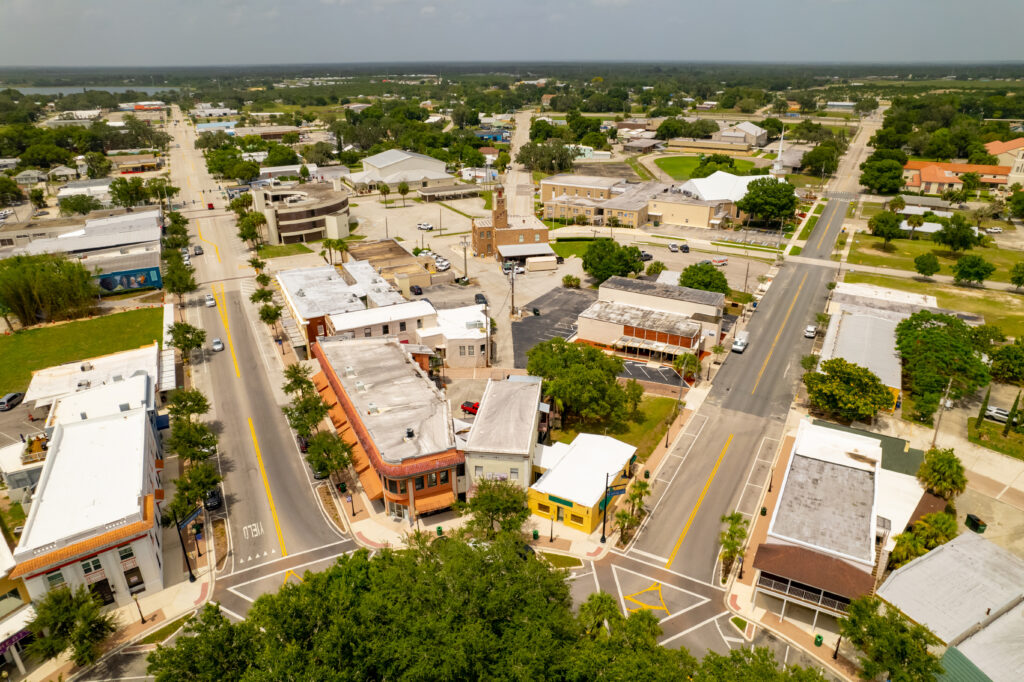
[[222, 308], [266, 484], [783, 326], [827, 226], [199, 230], [696, 508]]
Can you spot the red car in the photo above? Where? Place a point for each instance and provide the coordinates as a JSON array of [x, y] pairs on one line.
[[209, 207], [470, 407]]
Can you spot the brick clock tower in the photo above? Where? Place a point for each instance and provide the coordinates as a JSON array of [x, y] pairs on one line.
[[499, 214]]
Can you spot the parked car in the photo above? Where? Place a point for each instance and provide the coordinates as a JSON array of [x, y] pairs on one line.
[[39, 214], [704, 262], [10, 401], [999, 414], [416, 290], [674, 248], [469, 407], [480, 299], [559, 260], [319, 474], [810, 331], [520, 270], [645, 256], [209, 207], [994, 230], [218, 345], [302, 443], [210, 301], [442, 267], [424, 226], [685, 248], [214, 499], [197, 251]]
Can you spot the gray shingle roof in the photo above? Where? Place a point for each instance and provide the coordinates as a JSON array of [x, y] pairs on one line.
[[677, 293]]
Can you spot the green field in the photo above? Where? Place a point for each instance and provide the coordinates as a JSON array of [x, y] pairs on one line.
[[644, 434], [568, 249], [638, 168], [805, 233], [997, 307], [280, 250], [867, 250], [799, 180], [34, 349], [990, 435], [869, 209], [680, 167]]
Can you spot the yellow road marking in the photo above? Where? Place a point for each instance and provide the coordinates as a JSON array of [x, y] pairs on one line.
[[644, 606], [222, 308], [783, 326], [266, 484], [827, 226], [199, 230], [291, 574], [700, 500]]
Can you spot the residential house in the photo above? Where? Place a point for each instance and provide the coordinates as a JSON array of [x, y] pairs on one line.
[[62, 174], [30, 177], [490, 155], [932, 177], [8, 164]]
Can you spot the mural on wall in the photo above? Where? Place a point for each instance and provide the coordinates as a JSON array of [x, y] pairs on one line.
[[145, 278]]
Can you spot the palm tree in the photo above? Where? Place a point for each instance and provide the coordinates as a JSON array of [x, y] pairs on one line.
[[257, 264], [598, 614], [686, 365], [259, 221], [403, 189], [942, 473], [5, 311], [262, 296], [624, 522], [263, 279], [384, 190], [896, 204], [640, 490], [270, 315], [914, 222]]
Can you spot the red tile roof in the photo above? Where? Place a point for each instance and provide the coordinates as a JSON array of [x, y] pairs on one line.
[[959, 167], [998, 147]]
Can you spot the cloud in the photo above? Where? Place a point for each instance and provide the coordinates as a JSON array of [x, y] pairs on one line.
[[428, 10]]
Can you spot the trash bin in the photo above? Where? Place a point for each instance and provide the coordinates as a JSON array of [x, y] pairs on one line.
[[975, 524], [440, 531], [536, 534], [536, 312], [342, 487], [764, 511], [818, 639]]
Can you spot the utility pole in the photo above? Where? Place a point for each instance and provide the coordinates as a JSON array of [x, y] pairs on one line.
[[465, 258], [604, 517], [188, 563], [745, 275], [942, 408], [386, 228], [512, 272]]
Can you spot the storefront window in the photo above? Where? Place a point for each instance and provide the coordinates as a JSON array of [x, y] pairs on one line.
[[444, 477], [431, 479], [419, 483]]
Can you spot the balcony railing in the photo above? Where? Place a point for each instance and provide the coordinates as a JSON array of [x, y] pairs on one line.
[[812, 597]]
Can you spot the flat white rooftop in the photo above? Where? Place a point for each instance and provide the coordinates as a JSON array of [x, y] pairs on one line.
[[316, 292], [369, 284], [468, 322], [581, 473], [505, 422], [409, 310], [103, 400], [92, 482], [54, 382]]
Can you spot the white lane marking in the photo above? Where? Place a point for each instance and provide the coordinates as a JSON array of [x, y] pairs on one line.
[[695, 627]]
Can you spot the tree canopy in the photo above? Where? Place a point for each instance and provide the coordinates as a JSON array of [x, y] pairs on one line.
[[44, 287], [72, 621], [891, 645], [706, 277], [885, 225], [882, 176], [957, 234], [606, 258], [580, 378], [495, 505], [972, 268], [769, 200], [848, 391], [942, 473]]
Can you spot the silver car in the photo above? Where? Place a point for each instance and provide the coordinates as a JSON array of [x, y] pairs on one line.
[[218, 345]]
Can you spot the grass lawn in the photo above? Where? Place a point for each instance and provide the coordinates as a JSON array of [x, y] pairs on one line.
[[47, 346], [740, 624], [539, 175], [869, 209], [800, 180], [819, 209], [867, 250], [158, 636], [561, 561], [568, 249], [14, 516], [488, 196], [644, 433], [638, 168], [680, 167], [991, 437], [279, 250], [805, 233], [796, 251], [998, 307]]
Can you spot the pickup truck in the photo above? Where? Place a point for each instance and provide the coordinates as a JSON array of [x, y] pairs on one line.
[[741, 342], [469, 407]]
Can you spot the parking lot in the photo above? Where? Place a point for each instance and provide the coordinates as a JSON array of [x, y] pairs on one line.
[[656, 374], [15, 423], [559, 310]]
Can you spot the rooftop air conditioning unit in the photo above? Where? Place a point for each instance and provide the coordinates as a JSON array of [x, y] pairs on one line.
[[350, 371], [373, 409], [360, 386], [86, 366]]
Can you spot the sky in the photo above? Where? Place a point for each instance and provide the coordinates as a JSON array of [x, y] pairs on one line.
[[217, 32]]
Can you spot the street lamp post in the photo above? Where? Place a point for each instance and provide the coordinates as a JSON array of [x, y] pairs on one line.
[[142, 618], [188, 563], [604, 516]]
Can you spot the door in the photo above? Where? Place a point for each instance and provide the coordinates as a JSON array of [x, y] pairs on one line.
[[559, 513], [101, 588]]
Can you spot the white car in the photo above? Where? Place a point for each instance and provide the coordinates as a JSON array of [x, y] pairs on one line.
[[218, 345], [442, 267], [520, 270], [210, 302], [424, 226], [810, 331], [994, 230]]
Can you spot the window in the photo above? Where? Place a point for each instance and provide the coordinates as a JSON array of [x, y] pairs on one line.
[[125, 553], [386, 330], [419, 324], [402, 488], [483, 348], [471, 350], [54, 579], [543, 508], [462, 351], [536, 237], [444, 477], [478, 472], [521, 239], [392, 486], [432, 479], [319, 330], [366, 332], [513, 474], [91, 565], [419, 483], [401, 326], [10, 602], [576, 518]]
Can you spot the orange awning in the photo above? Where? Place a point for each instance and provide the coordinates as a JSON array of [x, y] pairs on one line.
[[434, 502], [371, 483], [337, 416], [359, 459], [320, 381]]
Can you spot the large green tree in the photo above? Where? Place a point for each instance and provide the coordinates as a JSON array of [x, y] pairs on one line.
[[972, 269], [942, 473], [883, 176], [11, 194], [128, 192], [885, 225], [81, 204], [580, 378], [327, 451], [926, 264], [706, 277], [71, 621], [1017, 274], [494, 506], [45, 287], [1008, 362], [186, 338], [847, 391], [957, 234], [769, 200], [606, 258], [891, 645]]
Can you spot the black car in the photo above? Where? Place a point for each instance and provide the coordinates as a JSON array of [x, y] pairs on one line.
[[645, 256], [480, 299], [10, 401], [214, 499], [198, 250], [559, 260], [303, 443], [416, 290], [685, 248]]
